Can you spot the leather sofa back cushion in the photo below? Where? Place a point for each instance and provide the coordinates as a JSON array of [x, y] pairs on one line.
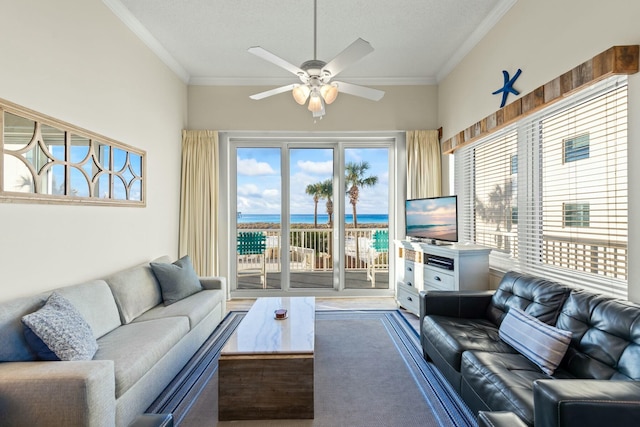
[[606, 337], [535, 296], [135, 290]]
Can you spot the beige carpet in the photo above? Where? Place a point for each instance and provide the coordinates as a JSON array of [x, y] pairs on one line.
[[369, 371]]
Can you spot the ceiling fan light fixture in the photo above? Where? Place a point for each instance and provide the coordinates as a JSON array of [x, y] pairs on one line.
[[301, 93], [315, 75], [329, 92], [315, 102]]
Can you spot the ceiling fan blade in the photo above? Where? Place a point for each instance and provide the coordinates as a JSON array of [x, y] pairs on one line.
[[353, 53], [361, 91], [271, 92], [274, 59]]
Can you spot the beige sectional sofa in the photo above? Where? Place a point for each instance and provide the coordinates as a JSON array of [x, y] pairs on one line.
[[142, 345]]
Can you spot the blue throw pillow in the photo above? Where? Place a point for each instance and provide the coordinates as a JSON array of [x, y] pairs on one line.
[[539, 342], [59, 332], [177, 280], [38, 346]]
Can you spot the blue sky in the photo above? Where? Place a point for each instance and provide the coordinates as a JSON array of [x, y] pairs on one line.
[[78, 181], [259, 179]]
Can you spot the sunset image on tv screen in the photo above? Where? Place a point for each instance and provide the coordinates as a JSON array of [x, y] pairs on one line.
[[432, 218]]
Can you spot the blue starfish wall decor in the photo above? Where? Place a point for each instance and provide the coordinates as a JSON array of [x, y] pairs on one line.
[[508, 86]]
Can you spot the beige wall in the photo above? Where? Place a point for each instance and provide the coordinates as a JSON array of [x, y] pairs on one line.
[[546, 38], [75, 61], [229, 108]]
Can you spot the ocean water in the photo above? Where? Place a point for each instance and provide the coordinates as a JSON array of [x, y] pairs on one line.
[[308, 218], [433, 231]]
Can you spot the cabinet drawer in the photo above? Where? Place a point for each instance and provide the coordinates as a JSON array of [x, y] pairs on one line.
[[408, 275], [438, 279], [408, 287], [408, 300]]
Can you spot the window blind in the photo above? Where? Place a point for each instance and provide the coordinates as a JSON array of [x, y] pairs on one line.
[[549, 193]]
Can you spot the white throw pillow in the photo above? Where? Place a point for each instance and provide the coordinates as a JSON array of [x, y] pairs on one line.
[[539, 342]]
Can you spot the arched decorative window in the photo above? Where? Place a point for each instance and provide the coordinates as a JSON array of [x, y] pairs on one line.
[[47, 160]]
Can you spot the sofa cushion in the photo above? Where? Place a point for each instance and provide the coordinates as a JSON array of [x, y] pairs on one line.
[[606, 337], [501, 382], [58, 331], [543, 344], [95, 303], [453, 336], [13, 344], [135, 291], [196, 307], [136, 347], [535, 296], [177, 280]]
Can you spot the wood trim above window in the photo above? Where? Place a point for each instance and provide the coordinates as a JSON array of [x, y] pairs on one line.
[[618, 60]]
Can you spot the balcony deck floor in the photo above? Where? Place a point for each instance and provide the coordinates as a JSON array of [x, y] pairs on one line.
[[316, 280]]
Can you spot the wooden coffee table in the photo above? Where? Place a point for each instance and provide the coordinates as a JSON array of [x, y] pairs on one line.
[[266, 366]]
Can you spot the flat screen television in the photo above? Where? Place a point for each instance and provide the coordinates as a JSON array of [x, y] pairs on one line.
[[432, 220]]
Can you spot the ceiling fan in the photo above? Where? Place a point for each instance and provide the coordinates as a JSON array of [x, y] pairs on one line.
[[316, 76]]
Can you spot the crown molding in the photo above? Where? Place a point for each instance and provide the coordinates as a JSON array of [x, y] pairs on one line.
[[152, 43], [273, 81], [143, 34], [485, 26]]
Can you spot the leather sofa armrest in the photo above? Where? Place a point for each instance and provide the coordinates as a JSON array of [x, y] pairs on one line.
[[586, 403], [499, 419], [213, 282], [70, 394], [460, 304]]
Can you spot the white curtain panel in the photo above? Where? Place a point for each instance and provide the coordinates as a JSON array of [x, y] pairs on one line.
[[199, 200], [424, 164]]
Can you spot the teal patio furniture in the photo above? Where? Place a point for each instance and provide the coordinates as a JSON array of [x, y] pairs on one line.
[[378, 254], [251, 248]]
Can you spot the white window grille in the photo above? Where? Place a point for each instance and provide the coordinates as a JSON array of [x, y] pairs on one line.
[[549, 193]]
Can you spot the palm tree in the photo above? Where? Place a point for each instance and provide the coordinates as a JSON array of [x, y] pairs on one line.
[[498, 210], [315, 190], [355, 180], [327, 193]]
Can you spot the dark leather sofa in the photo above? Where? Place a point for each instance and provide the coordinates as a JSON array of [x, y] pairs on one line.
[[596, 384]]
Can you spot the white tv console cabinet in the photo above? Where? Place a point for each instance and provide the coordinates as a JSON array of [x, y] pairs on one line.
[[422, 266]]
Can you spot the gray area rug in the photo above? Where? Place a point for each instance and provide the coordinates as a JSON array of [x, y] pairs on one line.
[[369, 371]]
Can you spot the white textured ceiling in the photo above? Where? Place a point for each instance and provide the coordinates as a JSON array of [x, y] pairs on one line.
[[206, 41]]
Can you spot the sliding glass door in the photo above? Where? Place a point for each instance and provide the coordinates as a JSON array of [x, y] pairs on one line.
[[311, 226], [366, 219], [310, 217], [258, 242]]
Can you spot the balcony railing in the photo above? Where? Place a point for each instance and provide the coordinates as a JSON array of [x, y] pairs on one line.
[[602, 257], [310, 251]]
